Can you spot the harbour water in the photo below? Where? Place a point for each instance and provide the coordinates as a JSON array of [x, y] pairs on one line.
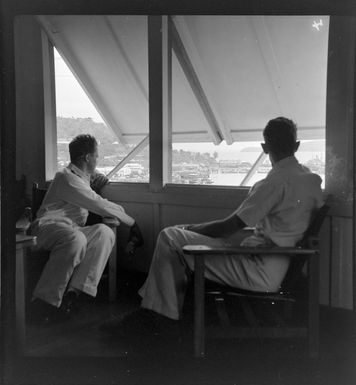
[[235, 179]]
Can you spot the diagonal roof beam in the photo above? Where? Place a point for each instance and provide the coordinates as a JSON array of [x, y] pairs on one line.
[[195, 84], [193, 54], [272, 67], [81, 76], [136, 81]]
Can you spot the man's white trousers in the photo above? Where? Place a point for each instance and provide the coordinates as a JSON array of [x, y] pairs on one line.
[[165, 286], [77, 259]]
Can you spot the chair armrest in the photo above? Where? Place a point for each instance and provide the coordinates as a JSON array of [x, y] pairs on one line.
[[23, 240], [207, 250], [111, 222]]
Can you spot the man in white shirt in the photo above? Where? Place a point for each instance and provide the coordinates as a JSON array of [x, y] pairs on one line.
[[78, 253], [279, 207]]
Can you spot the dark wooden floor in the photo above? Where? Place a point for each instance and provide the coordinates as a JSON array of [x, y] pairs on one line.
[[79, 343]]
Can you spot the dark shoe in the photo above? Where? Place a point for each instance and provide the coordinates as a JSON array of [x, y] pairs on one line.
[[142, 322], [69, 303], [42, 313]]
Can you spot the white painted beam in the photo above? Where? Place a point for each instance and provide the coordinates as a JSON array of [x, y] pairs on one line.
[[197, 64], [195, 84], [159, 65], [50, 115]]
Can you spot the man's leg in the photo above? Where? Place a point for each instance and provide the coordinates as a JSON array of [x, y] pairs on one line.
[[67, 247], [100, 241], [165, 287]]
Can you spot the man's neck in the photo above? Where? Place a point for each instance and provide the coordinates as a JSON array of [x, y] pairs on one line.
[[82, 167], [81, 171], [274, 158]]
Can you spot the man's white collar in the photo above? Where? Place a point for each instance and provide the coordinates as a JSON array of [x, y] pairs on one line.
[[79, 172]]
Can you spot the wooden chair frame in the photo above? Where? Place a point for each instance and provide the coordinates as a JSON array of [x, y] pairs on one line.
[[307, 252]]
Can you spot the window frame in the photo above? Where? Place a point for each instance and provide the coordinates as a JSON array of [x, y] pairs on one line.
[[162, 41]]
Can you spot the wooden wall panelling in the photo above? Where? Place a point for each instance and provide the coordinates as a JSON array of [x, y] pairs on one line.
[[325, 250], [341, 263]]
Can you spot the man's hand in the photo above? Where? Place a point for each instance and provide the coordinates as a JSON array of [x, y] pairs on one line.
[[98, 181], [135, 239], [136, 235]]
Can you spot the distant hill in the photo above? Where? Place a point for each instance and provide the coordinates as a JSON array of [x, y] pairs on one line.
[[251, 149], [68, 128], [313, 146]]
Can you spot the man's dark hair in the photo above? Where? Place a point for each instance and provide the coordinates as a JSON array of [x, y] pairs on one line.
[[81, 145], [280, 135]]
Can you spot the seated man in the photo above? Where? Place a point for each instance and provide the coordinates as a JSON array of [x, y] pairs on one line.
[[78, 253], [279, 207]]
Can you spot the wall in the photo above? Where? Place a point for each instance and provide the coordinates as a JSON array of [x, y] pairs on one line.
[[30, 134], [339, 161]]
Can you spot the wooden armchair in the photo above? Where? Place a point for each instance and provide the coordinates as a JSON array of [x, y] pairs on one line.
[[38, 195], [305, 253]]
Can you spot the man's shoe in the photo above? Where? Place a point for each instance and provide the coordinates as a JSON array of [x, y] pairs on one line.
[[69, 302], [42, 313]]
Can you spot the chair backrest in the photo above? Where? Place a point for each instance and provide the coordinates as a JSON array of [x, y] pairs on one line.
[[295, 270], [20, 198], [38, 195]]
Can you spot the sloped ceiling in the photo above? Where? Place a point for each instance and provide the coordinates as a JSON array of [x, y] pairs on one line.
[[249, 70]]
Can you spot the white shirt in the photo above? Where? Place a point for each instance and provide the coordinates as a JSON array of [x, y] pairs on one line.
[[280, 206], [70, 198]]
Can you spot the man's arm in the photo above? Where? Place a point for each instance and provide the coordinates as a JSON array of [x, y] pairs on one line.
[[76, 192], [218, 228]]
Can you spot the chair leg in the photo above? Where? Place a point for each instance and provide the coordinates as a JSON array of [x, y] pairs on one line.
[[222, 313], [113, 274], [199, 297], [20, 300], [313, 307]]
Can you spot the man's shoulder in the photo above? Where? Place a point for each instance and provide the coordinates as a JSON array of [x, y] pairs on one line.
[[66, 176]]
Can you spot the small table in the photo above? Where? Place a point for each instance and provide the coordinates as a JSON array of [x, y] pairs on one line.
[[23, 242]]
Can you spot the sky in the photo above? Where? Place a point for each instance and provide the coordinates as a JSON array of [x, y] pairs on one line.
[[71, 100]]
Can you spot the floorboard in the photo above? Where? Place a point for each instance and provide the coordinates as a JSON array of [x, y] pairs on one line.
[[100, 359]]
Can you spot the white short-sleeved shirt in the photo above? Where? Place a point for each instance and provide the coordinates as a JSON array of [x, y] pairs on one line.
[[280, 206], [70, 198]]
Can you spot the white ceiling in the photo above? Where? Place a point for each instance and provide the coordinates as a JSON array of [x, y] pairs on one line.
[[250, 69]]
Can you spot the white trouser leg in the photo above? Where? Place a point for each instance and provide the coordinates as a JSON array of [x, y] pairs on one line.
[[165, 287], [67, 247], [100, 241]]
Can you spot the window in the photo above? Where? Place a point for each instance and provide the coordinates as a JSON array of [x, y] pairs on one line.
[[230, 75], [102, 89]]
